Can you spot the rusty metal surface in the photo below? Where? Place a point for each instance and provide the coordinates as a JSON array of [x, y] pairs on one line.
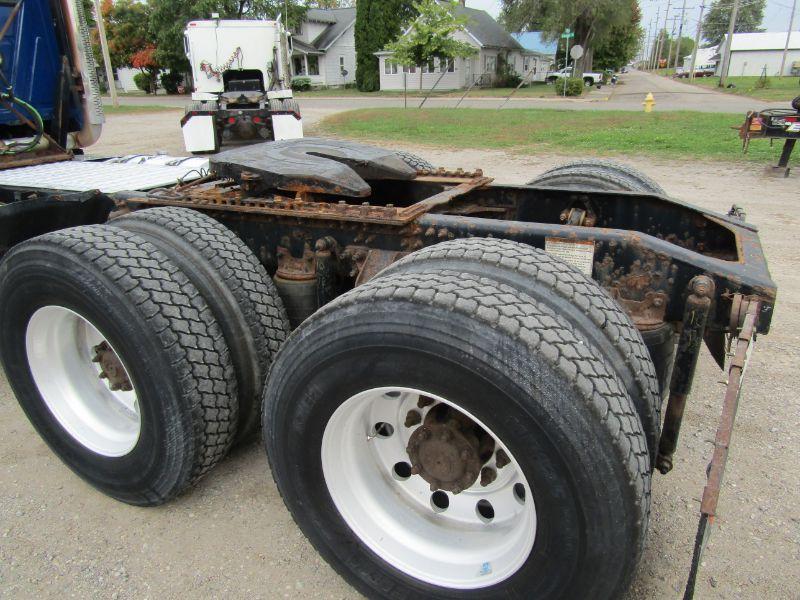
[[373, 262], [51, 155], [311, 164], [304, 204], [744, 346], [745, 342], [690, 342]]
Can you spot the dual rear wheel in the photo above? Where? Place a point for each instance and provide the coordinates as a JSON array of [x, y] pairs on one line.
[[139, 349], [448, 430], [476, 421]]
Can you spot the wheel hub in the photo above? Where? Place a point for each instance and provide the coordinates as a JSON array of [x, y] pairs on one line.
[[446, 455], [111, 368]]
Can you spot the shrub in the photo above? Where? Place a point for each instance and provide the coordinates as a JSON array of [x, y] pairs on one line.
[[763, 83], [574, 86], [506, 75], [171, 81], [301, 84], [143, 81]]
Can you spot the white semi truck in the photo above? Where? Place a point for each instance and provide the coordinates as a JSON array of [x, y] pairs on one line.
[[241, 84]]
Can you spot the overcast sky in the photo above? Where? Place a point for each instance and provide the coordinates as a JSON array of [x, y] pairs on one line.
[[776, 17]]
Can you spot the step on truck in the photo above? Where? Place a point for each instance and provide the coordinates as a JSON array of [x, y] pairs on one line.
[[462, 387], [241, 78]]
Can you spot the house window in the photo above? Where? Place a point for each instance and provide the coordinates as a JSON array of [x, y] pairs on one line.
[[448, 64], [411, 69], [390, 68], [491, 64], [313, 64], [341, 62], [526, 64], [430, 66]]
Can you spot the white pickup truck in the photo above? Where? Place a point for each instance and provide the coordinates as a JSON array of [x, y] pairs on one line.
[[589, 79]]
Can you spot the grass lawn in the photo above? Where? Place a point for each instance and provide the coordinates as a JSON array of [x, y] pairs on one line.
[[777, 88], [535, 90], [126, 109], [687, 135]]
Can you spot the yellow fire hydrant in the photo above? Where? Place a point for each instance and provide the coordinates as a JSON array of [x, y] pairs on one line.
[[649, 103]]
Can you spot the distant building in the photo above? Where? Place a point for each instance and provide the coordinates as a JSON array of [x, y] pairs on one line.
[[751, 53], [706, 60], [324, 47], [539, 55], [494, 46]]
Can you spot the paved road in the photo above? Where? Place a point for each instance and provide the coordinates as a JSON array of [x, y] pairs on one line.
[[628, 95]]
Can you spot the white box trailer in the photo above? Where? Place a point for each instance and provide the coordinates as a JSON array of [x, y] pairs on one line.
[[241, 72]]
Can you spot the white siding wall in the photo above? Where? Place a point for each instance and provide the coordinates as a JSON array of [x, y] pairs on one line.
[[344, 46], [752, 62], [125, 79], [394, 81]]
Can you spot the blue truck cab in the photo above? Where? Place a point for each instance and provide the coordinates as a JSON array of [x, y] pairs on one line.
[[46, 63]]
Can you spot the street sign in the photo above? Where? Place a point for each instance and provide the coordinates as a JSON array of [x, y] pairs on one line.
[[576, 52], [568, 33]]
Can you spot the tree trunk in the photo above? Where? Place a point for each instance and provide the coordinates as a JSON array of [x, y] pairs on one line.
[[584, 35]]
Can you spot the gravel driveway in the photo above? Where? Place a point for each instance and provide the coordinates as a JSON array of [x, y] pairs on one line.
[[232, 537]]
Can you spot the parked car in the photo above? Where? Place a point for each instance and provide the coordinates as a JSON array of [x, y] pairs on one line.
[[589, 79]]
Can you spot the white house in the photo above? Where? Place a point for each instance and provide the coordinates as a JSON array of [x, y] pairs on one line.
[[751, 53], [492, 43], [539, 56], [324, 46]]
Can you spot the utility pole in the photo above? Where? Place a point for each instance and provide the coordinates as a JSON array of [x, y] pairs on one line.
[[663, 35], [652, 60], [680, 35], [101, 33], [788, 39], [726, 58], [697, 40], [671, 43]]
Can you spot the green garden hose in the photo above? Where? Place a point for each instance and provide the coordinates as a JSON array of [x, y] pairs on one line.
[[37, 124]]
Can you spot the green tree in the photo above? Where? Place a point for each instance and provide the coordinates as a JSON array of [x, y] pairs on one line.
[[716, 21], [378, 22], [591, 20], [621, 44], [431, 36], [127, 29]]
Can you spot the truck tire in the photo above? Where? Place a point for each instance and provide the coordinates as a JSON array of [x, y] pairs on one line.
[[237, 288], [284, 104], [588, 81], [559, 288], [598, 174], [414, 161], [457, 369], [81, 303], [204, 106], [796, 104]]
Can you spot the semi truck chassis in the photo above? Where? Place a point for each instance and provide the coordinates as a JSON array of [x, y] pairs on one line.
[[341, 227]]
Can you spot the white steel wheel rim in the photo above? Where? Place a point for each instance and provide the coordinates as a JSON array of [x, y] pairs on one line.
[[60, 345], [396, 518]]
